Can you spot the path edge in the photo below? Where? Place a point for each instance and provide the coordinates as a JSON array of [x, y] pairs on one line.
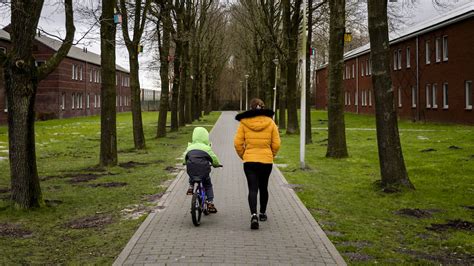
[[327, 243]]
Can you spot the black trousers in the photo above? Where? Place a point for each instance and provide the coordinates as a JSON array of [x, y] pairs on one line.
[[257, 179]]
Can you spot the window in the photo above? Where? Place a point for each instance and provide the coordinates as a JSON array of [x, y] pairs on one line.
[[349, 97], [356, 99], [408, 57], [469, 94], [348, 74], [116, 101], [95, 100], [353, 71], [438, 50], [400, 97], [395, 60], [120, 101], [80, 101], [445, 48], [345, 98], [73, 101], [73, 72], [428, 98], [63, 101], [370, 67], [362, 69], [90, 75], [6, 105], [116, 79], [80, 72], [98, 102], [367, 67], [88, 105], [433, 95], [399, 59], [370, 98], [445, 96], [413, 96], [427, 52]]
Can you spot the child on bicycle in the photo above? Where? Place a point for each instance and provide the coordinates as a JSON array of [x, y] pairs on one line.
[[198, 159]]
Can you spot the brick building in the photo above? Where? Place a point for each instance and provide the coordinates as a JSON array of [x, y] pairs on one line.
[[73, 89], [432, 71]]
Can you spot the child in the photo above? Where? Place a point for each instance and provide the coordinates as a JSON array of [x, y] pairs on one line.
[[198, 157]]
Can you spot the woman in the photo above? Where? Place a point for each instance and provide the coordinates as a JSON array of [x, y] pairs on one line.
[[257, 142]]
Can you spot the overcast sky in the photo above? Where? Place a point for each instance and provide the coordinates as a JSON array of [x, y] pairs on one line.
[[52, 20]]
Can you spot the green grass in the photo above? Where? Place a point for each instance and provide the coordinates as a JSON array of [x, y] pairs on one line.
[[67, 147], [360, 219]]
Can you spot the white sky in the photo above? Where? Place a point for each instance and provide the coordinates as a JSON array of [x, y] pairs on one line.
[[52, 20]]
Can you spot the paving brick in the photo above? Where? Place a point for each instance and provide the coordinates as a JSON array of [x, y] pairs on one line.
[[291, 236]]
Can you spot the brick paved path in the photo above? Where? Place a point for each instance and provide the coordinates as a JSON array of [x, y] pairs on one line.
[[290, 236]]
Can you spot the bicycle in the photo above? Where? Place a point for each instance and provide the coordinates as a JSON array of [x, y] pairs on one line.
[[198, 201]]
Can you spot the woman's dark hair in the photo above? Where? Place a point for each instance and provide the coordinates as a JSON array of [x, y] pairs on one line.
[[256, 103]]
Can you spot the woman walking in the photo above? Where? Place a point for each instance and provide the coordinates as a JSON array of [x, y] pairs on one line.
[[257, 142]]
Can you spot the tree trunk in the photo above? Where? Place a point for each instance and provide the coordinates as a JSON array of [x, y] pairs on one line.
[[138, 135], [21, 84], [188, 117], [108, 136], [164, 48], [337, 147], [176, 86], [282, 97], [392, 164]]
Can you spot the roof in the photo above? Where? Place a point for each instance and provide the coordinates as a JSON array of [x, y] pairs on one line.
[[75, 52], [461, 13]]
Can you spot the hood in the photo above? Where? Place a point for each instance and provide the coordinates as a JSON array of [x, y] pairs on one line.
[[255, 113], [200, 135], [256, 120]]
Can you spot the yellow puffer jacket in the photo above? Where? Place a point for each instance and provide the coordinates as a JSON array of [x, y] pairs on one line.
[[257, 138]]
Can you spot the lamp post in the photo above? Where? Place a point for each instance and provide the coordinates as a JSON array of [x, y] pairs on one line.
[[275, 88], [240, 90], [303, 92], [246, 91]]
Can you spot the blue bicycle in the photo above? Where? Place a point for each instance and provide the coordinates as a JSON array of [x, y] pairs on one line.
[[198, 201]]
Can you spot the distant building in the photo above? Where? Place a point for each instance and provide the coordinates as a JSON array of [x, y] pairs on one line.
[[73, 89], [432, 72]]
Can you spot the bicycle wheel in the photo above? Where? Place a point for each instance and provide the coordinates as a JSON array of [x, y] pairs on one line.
[[196, 209]]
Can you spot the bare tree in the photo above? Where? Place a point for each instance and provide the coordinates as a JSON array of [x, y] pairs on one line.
[[139, 10], [392, 164], [337, 147], [108, 134], [21, 79]]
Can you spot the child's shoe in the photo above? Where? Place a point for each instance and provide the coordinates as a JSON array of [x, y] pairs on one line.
[[210, 207], [254, 221], [190, 190]]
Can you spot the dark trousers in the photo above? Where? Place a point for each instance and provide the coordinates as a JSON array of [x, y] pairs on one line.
[[207, 184], [257, 179]]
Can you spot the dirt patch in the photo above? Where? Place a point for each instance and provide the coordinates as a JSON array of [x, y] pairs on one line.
[[82, 178], [452, 224], [334, 233], [48, 177], [172, 170], [355, 256], [109, 184], [321, 141], [319, 211], [4, 190], [154, 197], [94, 169], [468, 207], [90, 222], [53, 203], [131, 164], [428, 150], [443, 258], [133, 212], [453, 147], [417, 213], [14, 230]]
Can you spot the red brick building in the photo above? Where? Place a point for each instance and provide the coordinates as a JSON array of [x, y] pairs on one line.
[[73, 89], [432, 71]]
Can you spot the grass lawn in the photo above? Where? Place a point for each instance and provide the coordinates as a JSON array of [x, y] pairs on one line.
[[91, 214], [362, 221]]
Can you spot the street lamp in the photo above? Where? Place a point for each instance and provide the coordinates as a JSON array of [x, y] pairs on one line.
[[240, 89], [246, 91], [275, 88]]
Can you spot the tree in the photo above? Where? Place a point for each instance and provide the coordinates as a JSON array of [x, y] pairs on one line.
[[337, 147], [392, 164], [164, 47], [108, 120], [21, 79], [139, 9]]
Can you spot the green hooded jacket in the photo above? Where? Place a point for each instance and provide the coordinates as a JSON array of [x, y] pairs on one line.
[[201, 142]]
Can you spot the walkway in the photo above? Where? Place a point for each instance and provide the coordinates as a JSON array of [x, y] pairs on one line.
[[290, 236]]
